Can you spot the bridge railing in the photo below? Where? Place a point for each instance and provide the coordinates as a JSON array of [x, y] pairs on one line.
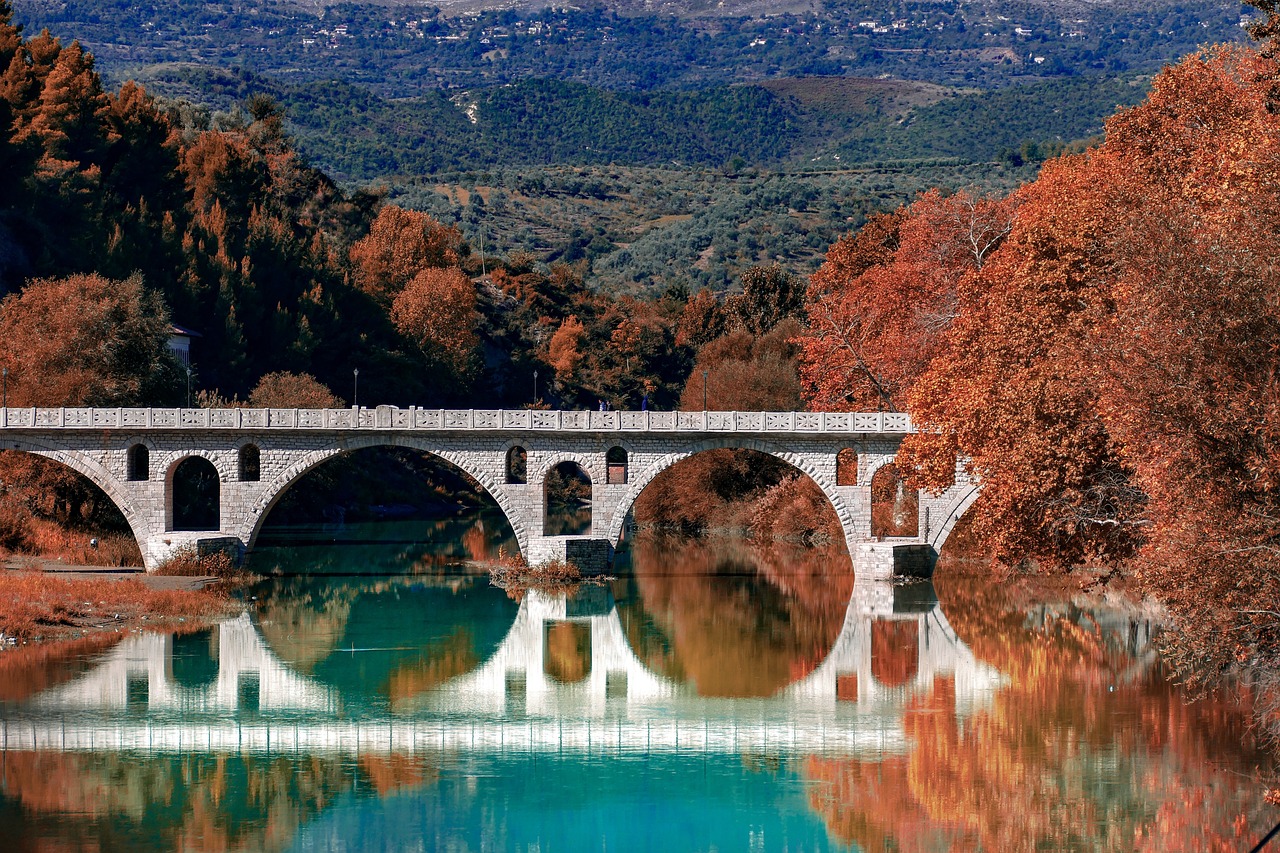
[[452, 420]]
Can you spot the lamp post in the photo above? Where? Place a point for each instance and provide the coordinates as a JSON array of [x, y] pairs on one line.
[[188, 386], [704, 390], [535, 387], [355, 387], [5, 374]]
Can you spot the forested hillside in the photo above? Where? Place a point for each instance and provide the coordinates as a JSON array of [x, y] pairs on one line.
[[226, 230], [800, 124]]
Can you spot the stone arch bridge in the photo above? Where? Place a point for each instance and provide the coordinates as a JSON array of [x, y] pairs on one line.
[[135, 456]]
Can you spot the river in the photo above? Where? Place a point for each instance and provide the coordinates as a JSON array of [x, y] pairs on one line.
[[380, 695]]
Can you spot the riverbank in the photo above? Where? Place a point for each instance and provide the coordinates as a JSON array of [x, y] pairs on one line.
[[43, 601]]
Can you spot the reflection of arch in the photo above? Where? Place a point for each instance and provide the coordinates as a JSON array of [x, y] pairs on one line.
[[575, 480], [616, 466], [194, 495], [138, 466], [847, 467], [193, 660], [463, 461], [517, 465], [799, 460], [250, 466], [895, 508]]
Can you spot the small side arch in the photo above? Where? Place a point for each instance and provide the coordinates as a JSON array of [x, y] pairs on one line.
[[895, 506], [193, 495], [561, 518], [249, 463], [615, 461], [958, 507], [847, 466], [517, 465], [137, 463]]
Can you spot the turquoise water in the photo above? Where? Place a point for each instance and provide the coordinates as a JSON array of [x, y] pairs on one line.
[[383, 695]]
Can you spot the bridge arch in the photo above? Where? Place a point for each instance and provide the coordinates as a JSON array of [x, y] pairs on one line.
[[491, 481], [938, 535], [139, 459], [592, 464], [185, 472], [640, 477], [94, 472]]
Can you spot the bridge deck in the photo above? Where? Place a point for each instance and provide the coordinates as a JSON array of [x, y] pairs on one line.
[[401, 736], [453, 420]]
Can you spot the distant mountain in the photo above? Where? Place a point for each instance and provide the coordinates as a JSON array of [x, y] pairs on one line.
[[402, 50]]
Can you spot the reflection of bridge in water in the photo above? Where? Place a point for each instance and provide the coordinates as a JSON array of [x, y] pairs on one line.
[[895, 644]]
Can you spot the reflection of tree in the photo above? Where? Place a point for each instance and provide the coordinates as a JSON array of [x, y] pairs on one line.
[[302, 622], [196, 803], [568, 658], [1086, 748], [391, 773], [895, 651], [437, 664], [28, 670], [735, 620]]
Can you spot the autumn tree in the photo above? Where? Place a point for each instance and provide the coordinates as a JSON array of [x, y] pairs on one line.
[[401, 244], [86, 340], [284, 390], [80, 341], [769, 295], [1111, 375], [747, 373], [564, 352], [1190, 352], [702, 320], [437, 311], [878, 308]]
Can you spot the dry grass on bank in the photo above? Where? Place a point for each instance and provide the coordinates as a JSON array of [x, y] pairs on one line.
[[51, 541], [40, 606], [188, 562]]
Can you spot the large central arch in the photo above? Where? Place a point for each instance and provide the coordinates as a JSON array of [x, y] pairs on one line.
[[94, 472], [803, 462], [491, 482]]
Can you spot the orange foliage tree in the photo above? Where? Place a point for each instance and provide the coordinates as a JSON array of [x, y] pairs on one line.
[[437, 311], [563, 353], [283, 390], [1015, 396], [1190, 386], [1112, 375], [878, 308], [400, 245], [86, 340], [83, 340]]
